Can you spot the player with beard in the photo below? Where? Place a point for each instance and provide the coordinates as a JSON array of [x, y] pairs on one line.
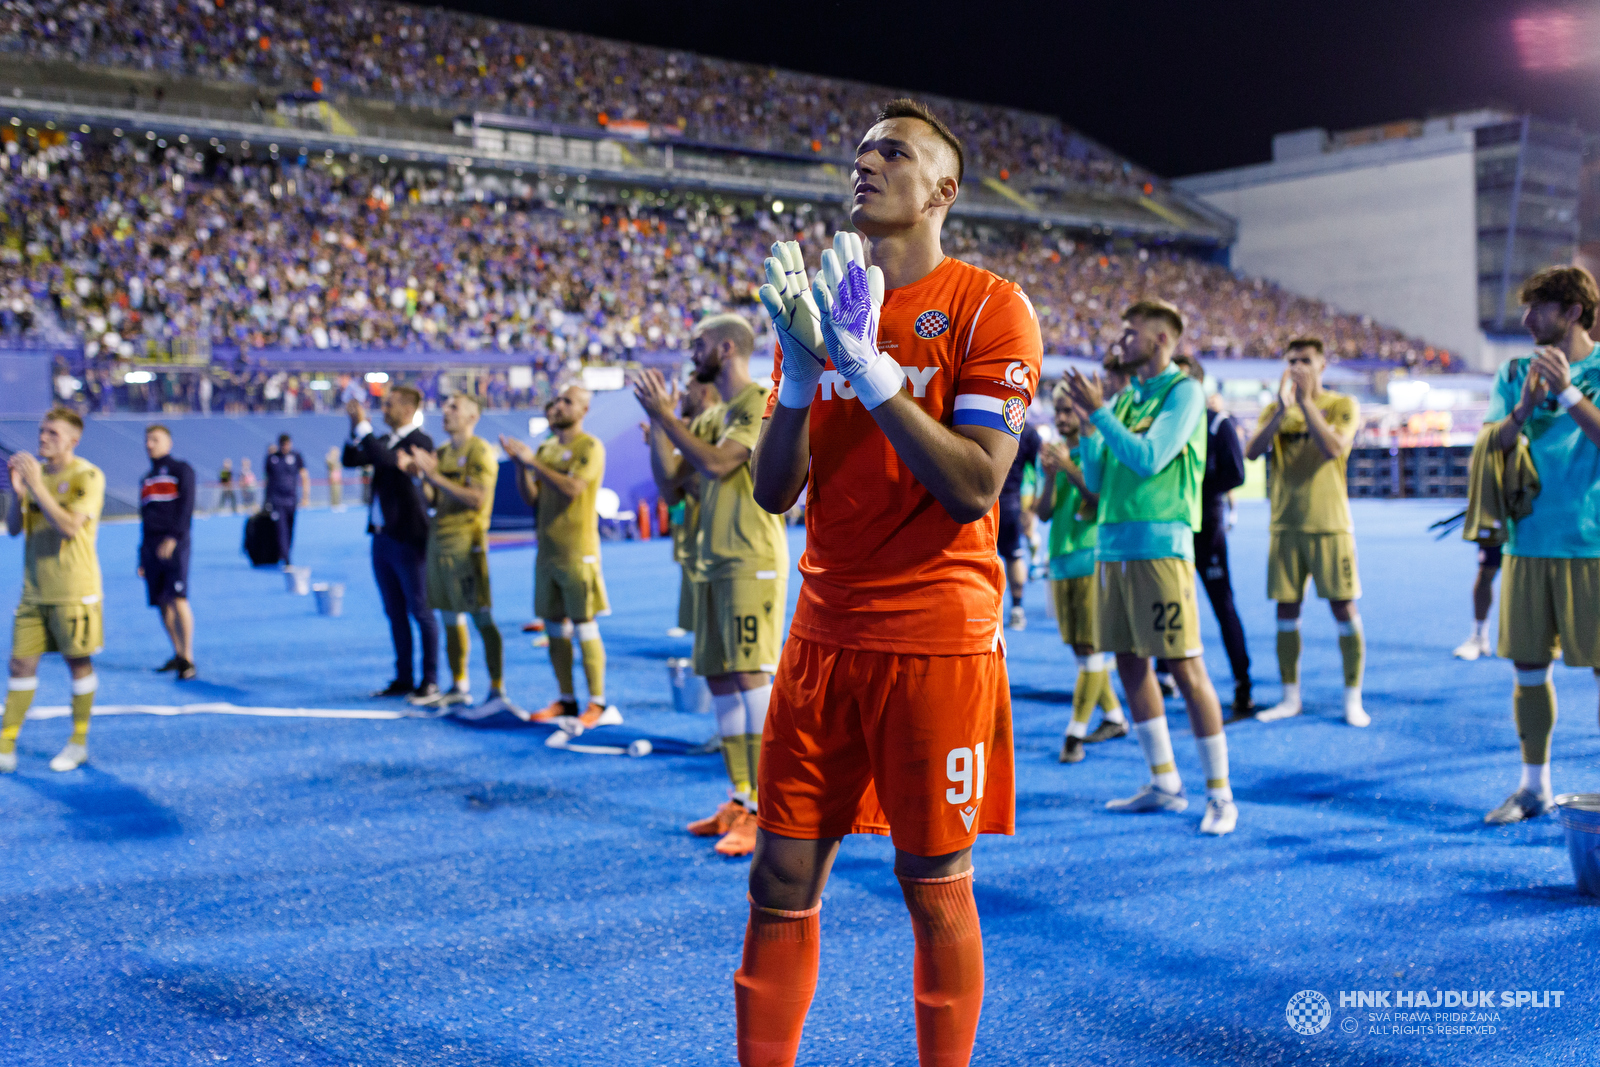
[[891, 711], [1552, 555], [741, 562], [1148, 474], [562, 479]]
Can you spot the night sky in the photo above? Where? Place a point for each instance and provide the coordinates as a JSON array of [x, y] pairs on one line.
[[1181, 86]]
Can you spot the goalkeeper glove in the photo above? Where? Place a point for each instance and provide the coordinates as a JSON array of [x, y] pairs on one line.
[[798, 323], [851, 297]]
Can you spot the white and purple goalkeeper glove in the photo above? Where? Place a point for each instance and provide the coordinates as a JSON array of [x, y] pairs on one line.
[[851, 296], [798, 323]]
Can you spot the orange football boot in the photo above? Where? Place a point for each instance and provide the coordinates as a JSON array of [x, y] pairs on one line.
[[597, 714], [558, 709], [740, 840], [717, 823]]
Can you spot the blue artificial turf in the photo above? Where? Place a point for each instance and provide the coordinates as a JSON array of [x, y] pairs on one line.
[[237, 889]]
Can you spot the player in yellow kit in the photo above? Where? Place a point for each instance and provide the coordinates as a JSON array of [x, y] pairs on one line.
[[56, 504], [1073, 513], [679, 485], [1309, 431], [742, 566], [461, 478], [562, 479]]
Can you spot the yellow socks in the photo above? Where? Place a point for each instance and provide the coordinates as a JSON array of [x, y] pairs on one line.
[[561, 655], [1289, 650], [729, 710], [19, 697], [1085, 697], [752, 748], [741, 716], [494, 649], [594, 660], [1533, 706], [1353, 650], [457, 643], [736, 758], [1092, 690], [83, 690], [458, 650], [755, 721]]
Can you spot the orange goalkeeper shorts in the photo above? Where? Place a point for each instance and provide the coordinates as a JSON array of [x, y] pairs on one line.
[[916, 747]]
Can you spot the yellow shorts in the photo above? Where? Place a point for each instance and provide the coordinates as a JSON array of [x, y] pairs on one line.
[[1328, 559], [1075, 610], [458, 576], [563, 590], [739, 625], [687, 598], [1548, 605], [1147, 608], [74, 630]]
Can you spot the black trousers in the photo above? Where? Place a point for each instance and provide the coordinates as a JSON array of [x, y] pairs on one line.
[[283, 515], [402, 583], [1211, 560]]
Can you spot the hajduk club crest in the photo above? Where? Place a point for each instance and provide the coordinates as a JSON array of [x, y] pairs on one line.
[[931, 324], [1015, 412]]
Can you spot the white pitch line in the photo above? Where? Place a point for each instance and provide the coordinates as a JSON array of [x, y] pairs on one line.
[[219, 709]]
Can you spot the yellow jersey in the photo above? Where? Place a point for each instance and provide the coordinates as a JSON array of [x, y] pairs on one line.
[[1308, 488], [738, 538], [569, 530], [706, 427], [55, 569], [475, 462]]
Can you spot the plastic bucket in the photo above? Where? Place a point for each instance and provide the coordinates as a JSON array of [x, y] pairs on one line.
[[297, 580], [330, 598], [1580, 818], [690, 694]]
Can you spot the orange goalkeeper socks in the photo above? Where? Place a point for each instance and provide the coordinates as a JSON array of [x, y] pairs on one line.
[[948, 973], [773, 987]]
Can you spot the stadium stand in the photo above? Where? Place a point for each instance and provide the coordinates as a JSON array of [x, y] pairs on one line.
[[399, 53], [138, 250]]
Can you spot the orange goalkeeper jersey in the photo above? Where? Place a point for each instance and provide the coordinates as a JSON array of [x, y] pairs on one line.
[[886, 568]]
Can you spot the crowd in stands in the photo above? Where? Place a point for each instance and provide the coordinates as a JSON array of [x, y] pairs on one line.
[[1079, 294], [405, 53], [133, 247], [240, 391]]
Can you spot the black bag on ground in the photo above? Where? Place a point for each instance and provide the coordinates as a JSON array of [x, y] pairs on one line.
[[261, 539]]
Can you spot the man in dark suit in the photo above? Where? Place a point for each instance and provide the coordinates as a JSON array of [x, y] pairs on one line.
[[398, 523], [288, 486]]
